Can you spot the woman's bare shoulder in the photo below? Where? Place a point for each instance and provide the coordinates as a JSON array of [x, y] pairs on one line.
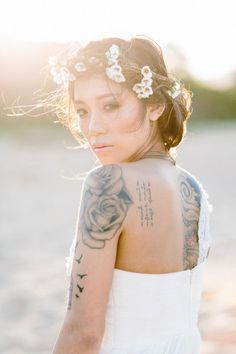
[[196, 180]]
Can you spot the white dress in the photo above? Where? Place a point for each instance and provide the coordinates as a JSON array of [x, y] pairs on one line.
[[158, 313]]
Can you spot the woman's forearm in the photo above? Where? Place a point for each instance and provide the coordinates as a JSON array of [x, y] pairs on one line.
[[68, 343]]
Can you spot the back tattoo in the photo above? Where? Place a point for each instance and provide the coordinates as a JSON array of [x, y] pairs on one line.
[[191, 200], [104, 207]]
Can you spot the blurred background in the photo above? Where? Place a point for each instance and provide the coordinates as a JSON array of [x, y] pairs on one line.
[[40, 185]]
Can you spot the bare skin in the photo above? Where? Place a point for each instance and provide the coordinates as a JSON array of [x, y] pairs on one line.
[[113, 120], [156, 203], [161, 228], [146, 210], [159, 210]]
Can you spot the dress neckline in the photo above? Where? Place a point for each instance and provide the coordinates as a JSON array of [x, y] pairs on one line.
[[154, 275]]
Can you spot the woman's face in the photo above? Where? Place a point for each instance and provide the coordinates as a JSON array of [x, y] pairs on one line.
[[110, 115]]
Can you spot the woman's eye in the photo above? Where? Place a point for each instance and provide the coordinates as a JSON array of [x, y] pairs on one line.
[[80, 111], [112, 106], [108, 107]]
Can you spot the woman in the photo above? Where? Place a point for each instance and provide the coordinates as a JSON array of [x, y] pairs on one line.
[[143, 234]]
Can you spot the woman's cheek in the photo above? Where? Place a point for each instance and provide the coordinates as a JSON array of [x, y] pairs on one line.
[[129, 120]]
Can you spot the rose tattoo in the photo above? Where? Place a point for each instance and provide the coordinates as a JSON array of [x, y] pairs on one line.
[[105, 203]]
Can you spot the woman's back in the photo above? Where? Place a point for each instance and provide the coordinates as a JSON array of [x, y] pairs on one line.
[[157, 281], [160, 229]]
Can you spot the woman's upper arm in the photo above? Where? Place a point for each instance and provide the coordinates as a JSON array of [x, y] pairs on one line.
[[104, 204]]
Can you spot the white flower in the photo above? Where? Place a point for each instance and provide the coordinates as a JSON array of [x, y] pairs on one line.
[[57, 79], [112, 55], [66, 75], [113, 52], [119, 78], [56, 76], [147, 81], [175, 91], [138, 88], [177, 85], [176, 94], [52, 61], [113, 70], [109, 72], [62, 75], [146, 71], [80, 66], [112, 61], [116, 69], [147, 91], [54, 72], [114, 49], [114, 73], [144, 89]]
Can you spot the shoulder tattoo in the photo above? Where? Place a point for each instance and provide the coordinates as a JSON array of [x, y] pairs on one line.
[[104, 205], [191, 200]]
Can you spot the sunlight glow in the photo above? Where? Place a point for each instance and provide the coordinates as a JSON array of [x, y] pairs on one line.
[[203, 30]]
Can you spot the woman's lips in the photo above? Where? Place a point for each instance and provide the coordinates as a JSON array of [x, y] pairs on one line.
[[103, 148]]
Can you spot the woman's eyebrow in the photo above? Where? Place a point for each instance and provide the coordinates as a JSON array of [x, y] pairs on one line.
[[100, 97]]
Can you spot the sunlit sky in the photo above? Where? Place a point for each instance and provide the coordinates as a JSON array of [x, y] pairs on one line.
[[203, 30]]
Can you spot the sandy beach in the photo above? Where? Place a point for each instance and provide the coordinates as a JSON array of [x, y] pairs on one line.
[[40, 192]]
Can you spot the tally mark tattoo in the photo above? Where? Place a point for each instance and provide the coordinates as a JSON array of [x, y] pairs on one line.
[[105, 204], [145, 200], [191, 200]]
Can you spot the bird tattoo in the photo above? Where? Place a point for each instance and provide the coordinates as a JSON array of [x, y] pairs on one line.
[[80, 288], [81, 275], [79, 259]]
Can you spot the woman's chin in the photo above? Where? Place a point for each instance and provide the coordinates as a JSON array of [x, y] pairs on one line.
[[106, 157], [105, 160]]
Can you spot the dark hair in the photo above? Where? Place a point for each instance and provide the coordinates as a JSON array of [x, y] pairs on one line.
[[135, 53]]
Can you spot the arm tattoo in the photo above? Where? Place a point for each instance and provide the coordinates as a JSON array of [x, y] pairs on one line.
[[145, 200], [104, 207], [105, 204], [191, 200]]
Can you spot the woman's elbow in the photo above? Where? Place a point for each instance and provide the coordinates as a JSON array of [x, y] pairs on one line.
[[73, 340]]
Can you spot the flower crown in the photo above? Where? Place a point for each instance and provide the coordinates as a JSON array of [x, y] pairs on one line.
[[62, 75]]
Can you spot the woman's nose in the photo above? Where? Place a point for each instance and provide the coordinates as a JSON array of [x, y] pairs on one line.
[[96, 123]]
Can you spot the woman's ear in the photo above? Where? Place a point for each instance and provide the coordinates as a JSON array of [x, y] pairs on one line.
[[155, 111]]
